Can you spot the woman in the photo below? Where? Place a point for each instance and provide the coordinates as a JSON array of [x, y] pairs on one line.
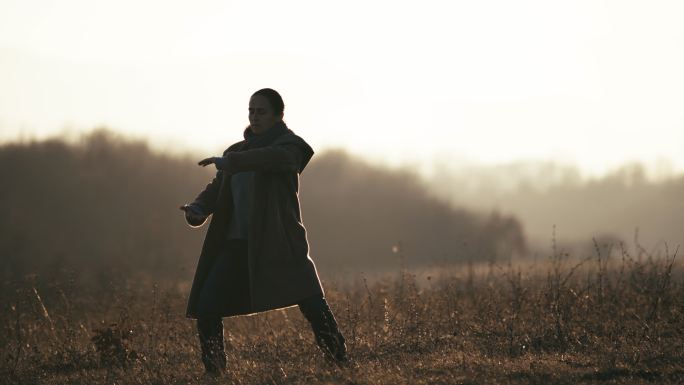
[[255, 254]]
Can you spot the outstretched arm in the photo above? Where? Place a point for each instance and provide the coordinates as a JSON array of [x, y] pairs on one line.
[[279, 158]]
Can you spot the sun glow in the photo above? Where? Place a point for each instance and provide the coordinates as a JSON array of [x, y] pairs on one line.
[[596, 84]]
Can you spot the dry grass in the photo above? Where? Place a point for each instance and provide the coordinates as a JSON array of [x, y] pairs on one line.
[[609, 319]]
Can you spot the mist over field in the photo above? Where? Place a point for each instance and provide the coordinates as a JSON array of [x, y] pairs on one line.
[[437, 280], [495, 197], [105, 201], [632, 204]]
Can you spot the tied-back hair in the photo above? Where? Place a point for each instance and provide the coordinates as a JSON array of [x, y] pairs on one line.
[[274, 99]]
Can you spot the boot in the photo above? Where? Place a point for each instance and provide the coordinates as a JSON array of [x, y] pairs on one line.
[[211, 344], [325, 329]]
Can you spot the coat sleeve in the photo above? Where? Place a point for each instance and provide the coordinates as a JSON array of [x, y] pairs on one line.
[[277, 158], [206, 200]]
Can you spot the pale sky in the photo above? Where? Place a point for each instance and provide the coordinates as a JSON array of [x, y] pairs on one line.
[[593, 83]]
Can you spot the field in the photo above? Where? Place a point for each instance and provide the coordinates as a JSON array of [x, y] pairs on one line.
[[607, 319]]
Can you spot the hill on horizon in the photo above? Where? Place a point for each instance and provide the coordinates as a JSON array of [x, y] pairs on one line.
[[106, 202]]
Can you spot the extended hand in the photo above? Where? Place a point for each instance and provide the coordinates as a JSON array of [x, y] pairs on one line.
[[192, 216], [207, 161], [219, 162]]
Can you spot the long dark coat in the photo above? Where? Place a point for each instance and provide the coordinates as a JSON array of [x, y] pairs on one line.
[[280, 271]]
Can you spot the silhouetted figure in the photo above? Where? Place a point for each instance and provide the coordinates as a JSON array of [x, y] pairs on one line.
[[255, 255]]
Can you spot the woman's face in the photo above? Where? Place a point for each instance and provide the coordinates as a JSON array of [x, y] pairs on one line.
[[261, 115]]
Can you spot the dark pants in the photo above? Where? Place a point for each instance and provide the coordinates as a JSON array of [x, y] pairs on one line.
[[213, 299]]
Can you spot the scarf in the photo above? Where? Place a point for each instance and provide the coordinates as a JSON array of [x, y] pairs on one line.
[[253, 140]]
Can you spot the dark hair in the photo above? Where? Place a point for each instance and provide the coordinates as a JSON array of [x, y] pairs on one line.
[[274, 99]]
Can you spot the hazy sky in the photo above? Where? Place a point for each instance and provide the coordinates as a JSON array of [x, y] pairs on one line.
[[596, 83]]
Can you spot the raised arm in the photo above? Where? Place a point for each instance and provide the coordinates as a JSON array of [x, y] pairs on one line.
[[277, 158]]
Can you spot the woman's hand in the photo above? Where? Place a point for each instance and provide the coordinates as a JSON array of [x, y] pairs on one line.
[[192, 216], [219, 162], [207, 161]]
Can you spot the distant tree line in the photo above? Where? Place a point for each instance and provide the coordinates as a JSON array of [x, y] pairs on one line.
[[626, 205], [106, 202]]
